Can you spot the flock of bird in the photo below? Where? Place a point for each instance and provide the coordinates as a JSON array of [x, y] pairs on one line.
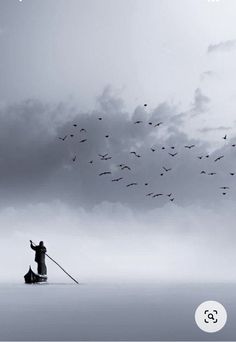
[[124, 166]]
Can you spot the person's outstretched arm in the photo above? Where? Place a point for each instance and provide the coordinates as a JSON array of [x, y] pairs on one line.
[[32, 246]]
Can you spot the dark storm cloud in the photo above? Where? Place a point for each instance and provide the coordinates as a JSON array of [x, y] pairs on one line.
[[223, 46], [36, 166]]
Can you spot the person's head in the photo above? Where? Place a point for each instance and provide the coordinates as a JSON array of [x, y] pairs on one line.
[[41, 244]]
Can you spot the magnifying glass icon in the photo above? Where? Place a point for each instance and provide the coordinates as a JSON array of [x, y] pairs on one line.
[[210, 316]]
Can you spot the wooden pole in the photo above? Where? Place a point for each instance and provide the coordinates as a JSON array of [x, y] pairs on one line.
[[60, 267]]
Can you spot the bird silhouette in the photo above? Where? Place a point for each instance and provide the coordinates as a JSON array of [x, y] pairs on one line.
[[173, 154], [207, 156], [189, 146], [74, 158], [225, 137], [138, 122], [169, 195], [131, 184], [223, 193], [163, 147], [157, 195], [72, 135], [64, 138], [232, 173], [172, 147], [150, 123], [91, 162], [224, 187], [145, 104], [146, 184], [218, 158], [83, 130], [212, 173], [135, 154], [150, 194], [99, 119], [200, 157], [106, 158], [172, 199], [103, 155], [158, 124], [203, 172], [83, 140], [75, 125], [153, 149], [105, 173], [161, 174], [117, 179], [164, 168], [125, 167], [107, 136], [233, 145]]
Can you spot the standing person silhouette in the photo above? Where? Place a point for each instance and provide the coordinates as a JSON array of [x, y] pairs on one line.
[[40, 252]]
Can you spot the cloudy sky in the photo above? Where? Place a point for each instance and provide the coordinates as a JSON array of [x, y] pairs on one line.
[[71, 62]]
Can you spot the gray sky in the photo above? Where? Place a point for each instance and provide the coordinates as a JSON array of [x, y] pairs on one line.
[[66, 62]]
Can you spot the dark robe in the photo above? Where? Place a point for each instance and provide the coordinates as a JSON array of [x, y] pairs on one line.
[[40, 252]]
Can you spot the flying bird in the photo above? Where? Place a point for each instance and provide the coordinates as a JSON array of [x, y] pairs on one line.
[[200, 157], [150, 194], [169, 195], [224, 187], [105, 173], [232, 173], [125, 167], [233, 145], [219, 158], [136, 155], [157, 195], [72, 135], [150, 123], [189, 146], [74, 158], [164, 168], [99, 119], [83, 140], [131, 184], [203, 172], [225, 137], [145, 104], [117, 179], [153, 149], [223, 193], [91, 162], [172, 147], [107, 158], [163, 147], [83, 130], [75, 125], [173, 154], [103, 155], [172, 199], [207, 156], [146, 184], [212, 173], [138, 122], [158, 124], [63, 139], [107, 136]]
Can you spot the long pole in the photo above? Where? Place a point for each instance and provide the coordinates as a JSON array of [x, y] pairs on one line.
[[61, 267]]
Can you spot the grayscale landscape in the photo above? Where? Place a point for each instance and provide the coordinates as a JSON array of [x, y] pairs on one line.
[[118, 151]]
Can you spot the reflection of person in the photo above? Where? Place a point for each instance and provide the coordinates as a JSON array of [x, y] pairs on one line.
[[40, 252]]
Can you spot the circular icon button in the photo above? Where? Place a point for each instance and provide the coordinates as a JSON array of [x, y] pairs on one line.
[[211, 316]]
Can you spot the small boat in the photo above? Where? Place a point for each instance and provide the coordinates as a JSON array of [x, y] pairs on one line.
[[32, 278]]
